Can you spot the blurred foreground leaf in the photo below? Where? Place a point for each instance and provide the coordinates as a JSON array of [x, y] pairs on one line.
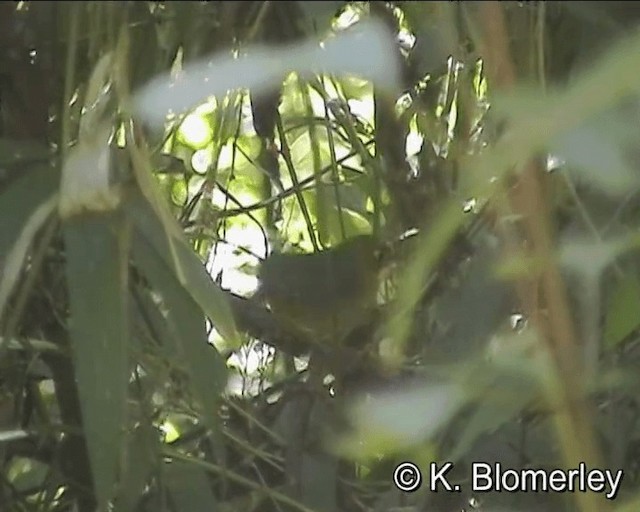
[[395, 419], [623, 311], [602, 150], [365, 50]]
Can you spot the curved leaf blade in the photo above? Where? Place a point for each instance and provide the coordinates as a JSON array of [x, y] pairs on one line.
[[198, 283], [185, 324]]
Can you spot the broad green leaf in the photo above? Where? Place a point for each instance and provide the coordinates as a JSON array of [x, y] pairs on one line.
[[18, 254], [97, 249], [623, 311], [24, 206], [141, 459], [189, 488], [185, 323], [197, 282]]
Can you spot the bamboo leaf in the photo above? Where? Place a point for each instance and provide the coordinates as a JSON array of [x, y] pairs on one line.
[[185, 324], [195, 279], [17, 255], [189, 487], [142, 457], [96, 248], [24, 205]]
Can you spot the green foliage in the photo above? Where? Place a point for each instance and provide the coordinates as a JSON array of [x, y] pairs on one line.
[[147, 349], [96, 250]]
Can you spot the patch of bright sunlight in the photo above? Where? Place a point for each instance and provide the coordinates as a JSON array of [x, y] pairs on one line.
[[363, 108], [195, 131], [121, 135], [225, 158], [249, 361], [348, 17], [317, 102], [406, 39], [246, 118], [169, 431], [251, 358], [201, 160], [228, 259], [414, 141], [228, 263]]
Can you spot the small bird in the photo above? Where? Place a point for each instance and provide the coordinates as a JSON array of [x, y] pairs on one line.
[[323, 296]]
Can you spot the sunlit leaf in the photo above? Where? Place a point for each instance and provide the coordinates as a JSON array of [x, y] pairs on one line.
[[179, 193], [195, 131], [97, 270]]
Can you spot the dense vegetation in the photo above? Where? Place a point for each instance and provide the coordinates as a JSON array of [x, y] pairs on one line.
[[256, 254]]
